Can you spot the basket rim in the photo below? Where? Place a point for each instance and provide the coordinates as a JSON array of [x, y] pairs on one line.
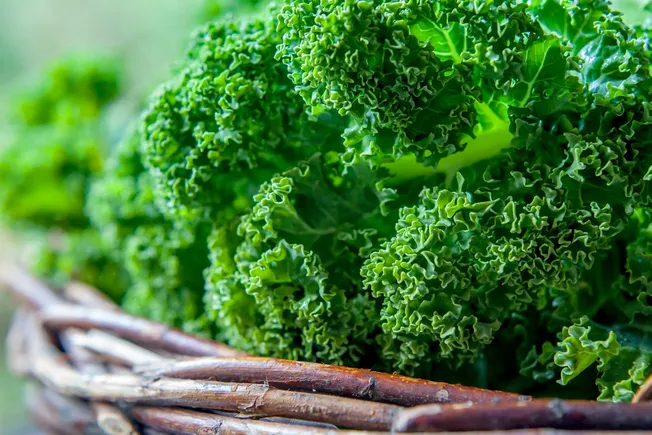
[[134, 373]]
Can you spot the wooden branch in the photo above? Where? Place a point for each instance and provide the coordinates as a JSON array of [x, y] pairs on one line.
[[86, 295], [284, 420], [41, 297], [557, 414], [181, 421], [139, 330], [241, 390], [326, 379], [296, 422], [112, 420], [30, 290], [109, 417], [60, 414], [38, 295], [16, 343], [85, 361], [644, 393], [73, 411], [295, 376], [46, 419], [116, 348], [246, 398]]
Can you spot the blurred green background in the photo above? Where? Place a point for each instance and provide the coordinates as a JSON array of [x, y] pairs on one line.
[[148, 35]]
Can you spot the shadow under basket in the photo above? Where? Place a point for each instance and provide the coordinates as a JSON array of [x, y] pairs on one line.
[[95, 369]]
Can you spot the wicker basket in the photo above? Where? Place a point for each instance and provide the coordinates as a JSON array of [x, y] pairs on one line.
[[99, 370]]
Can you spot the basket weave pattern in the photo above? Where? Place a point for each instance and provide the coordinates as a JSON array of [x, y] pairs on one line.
[[99, 370]]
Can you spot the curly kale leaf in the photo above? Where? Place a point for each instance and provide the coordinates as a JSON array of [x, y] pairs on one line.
[[525, 125], [57, 145], [618, 290], [621, 368], [164, 260], [45, 173], [228, 122], [56, 149], [447, 281], [622, 376], [293, 290], [632, 291], [123, 199], [421, 78], [360, 58], [222, 127], [579, 351], [165, 264], [74, 90]]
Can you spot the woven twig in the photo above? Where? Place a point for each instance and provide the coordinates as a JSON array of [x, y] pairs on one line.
[[246, 398], [116, 349], [191, 422], [88, 296], [537, 413], [290, 375], [645, 392], [181, 421], [141, 331], [156, 374], [108, 417], [327, 379], [16, 343], [60, 414]]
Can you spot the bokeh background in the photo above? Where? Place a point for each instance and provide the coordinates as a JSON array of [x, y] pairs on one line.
[[148, 35]]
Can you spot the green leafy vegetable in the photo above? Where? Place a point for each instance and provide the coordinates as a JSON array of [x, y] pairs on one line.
[[56, 149], [164, 260], [453, 189], [293, 276]]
